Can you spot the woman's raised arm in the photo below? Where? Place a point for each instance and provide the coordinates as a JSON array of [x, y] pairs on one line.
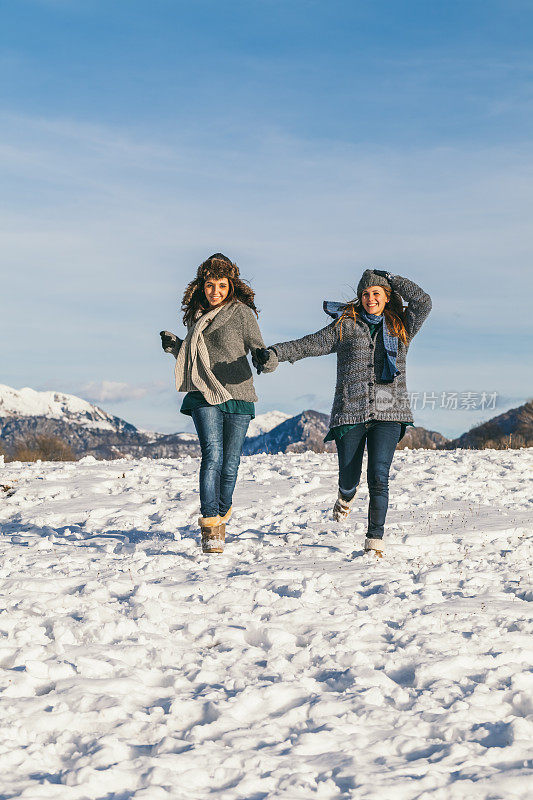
[[418, 303]]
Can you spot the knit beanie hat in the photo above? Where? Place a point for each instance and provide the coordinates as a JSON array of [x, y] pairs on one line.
[[370, 278]]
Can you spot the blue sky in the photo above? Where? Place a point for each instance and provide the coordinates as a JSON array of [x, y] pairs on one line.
[[306, 140]]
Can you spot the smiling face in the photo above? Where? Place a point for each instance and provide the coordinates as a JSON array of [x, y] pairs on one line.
[[216, 290], [374, 300]]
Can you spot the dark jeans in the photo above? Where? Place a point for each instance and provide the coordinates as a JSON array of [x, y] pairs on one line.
[[381, 439], [221, 438]]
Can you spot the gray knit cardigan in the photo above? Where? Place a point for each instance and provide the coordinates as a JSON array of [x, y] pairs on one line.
[[231, 335], [360, 394]]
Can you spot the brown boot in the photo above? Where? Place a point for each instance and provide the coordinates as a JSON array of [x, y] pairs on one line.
[[374, 547], [213, 534], [226, 517], [342, 507]]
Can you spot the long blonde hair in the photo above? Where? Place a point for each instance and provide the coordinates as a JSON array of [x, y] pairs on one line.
[[393, 313]]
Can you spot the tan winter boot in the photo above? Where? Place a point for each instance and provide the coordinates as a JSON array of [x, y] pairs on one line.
[[226, 517], [342, 507], [213, 534], [374, 547]]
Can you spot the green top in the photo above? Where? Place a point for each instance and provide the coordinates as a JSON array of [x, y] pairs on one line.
[[338, 431], [196, 399]]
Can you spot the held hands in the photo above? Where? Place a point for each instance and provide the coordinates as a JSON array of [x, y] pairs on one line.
[[260, 358], [168, 341]]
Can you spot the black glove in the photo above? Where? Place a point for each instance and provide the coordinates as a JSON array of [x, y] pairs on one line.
[[383, 273], [168, 341], [260, 357]]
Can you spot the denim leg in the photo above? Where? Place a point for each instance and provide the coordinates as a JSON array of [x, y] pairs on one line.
[[382, 438], [350, 449], [209, 424], [235, 428]]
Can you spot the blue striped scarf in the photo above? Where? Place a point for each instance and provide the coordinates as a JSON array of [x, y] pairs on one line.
[[390, 341]]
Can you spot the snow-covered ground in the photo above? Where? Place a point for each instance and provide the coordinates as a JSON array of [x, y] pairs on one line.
[[134, 667]]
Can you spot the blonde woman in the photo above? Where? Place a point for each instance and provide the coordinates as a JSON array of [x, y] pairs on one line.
[[371, 336]]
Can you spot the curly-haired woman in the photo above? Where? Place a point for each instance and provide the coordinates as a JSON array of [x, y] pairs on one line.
[[371, 336], [212, 367]]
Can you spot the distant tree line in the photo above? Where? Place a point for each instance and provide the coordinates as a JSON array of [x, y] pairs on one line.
[[39, 448]]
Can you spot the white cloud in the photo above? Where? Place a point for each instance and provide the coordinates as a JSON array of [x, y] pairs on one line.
[[116, 392]]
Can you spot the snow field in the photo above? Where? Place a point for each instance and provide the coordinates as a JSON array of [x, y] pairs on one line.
[[133, 667]]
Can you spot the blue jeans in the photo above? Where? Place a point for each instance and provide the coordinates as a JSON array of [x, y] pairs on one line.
[[381, 439], [221, 438]]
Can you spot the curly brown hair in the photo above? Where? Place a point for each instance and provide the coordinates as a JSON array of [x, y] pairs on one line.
[[216, 266], [393, 312]]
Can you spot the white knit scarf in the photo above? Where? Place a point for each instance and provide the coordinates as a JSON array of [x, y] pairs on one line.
[[193, 366]]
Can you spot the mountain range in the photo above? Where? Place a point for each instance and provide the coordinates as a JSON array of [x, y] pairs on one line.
[[512, 429], [88, 430], [26, 414]]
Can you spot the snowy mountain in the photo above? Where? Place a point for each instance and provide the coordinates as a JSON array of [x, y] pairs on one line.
[[21, 403], [88, 430], [264, 423], [305, 431]]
